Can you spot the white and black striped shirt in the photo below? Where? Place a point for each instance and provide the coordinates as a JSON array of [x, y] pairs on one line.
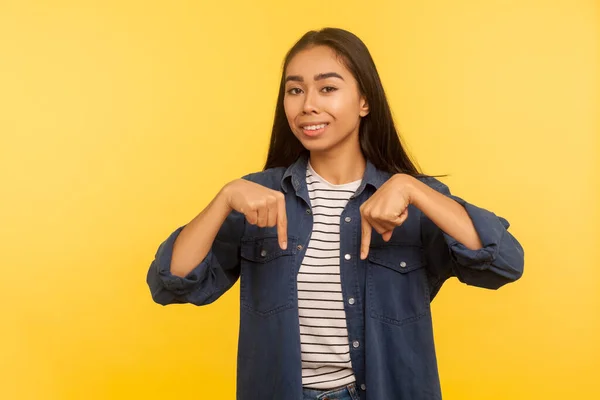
[[323, 334]]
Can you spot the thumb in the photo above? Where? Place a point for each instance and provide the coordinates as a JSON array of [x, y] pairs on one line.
[[402, 217]]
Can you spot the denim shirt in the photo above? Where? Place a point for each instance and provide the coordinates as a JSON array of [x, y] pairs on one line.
[[389, 318]]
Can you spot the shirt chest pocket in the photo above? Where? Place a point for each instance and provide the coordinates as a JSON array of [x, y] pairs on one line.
[[397, 284], [267, 275]]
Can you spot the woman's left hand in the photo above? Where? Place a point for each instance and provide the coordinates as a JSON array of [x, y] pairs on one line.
[[385, 210]]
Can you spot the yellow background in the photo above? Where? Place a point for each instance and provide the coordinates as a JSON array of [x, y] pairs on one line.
[[120, 120]]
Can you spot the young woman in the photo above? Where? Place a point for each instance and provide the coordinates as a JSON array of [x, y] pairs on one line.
[[340, 243]]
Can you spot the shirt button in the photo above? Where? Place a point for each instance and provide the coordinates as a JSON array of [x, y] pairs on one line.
[[347, 256], [308, 211], [263, 253], [299, 247], [363, 386], [402, 264], [351, 300], [355, 344], [348, 219]]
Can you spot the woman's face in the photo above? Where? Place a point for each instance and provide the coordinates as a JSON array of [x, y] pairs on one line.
[[322, 100]]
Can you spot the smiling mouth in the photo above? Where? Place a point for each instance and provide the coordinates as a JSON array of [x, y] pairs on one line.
[[313, 130]]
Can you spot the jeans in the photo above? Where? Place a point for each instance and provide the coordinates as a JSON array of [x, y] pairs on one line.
[[347, 392]]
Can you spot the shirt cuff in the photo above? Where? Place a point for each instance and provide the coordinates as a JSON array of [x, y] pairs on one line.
[[172, 282], [490, 229]]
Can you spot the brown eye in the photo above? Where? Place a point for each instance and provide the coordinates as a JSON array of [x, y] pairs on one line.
[[294, 91], [329, 89]]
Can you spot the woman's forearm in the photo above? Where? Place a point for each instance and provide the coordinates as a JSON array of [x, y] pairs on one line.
[[446, 213]]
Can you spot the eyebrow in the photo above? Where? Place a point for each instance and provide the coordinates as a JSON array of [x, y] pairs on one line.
[[318, 77]]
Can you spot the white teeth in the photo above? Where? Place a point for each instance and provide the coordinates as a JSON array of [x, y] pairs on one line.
[[315, 127]]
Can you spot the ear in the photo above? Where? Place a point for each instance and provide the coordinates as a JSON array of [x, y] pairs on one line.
[[364, 107]]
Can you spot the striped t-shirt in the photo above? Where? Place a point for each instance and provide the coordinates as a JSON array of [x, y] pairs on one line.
[[323, 332]]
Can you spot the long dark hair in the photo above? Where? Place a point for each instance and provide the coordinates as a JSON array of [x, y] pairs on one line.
[[378, 137]]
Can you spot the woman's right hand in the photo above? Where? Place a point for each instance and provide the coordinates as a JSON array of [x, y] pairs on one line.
[[260, 205]]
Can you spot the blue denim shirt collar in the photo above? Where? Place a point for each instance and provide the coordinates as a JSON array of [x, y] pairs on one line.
[[296, 175]]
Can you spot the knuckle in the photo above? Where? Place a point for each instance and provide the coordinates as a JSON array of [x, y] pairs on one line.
[[382, 215]]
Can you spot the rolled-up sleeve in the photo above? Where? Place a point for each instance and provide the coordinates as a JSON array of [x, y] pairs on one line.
[[498, 262], [218, 272]]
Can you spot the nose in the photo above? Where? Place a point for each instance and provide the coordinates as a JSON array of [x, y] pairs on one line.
[[310, 103]]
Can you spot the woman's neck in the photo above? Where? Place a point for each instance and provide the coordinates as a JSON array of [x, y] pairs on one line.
[[340, 167]]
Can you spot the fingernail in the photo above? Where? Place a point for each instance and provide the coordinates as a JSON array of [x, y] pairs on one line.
[[362, 255], [284, 245]]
